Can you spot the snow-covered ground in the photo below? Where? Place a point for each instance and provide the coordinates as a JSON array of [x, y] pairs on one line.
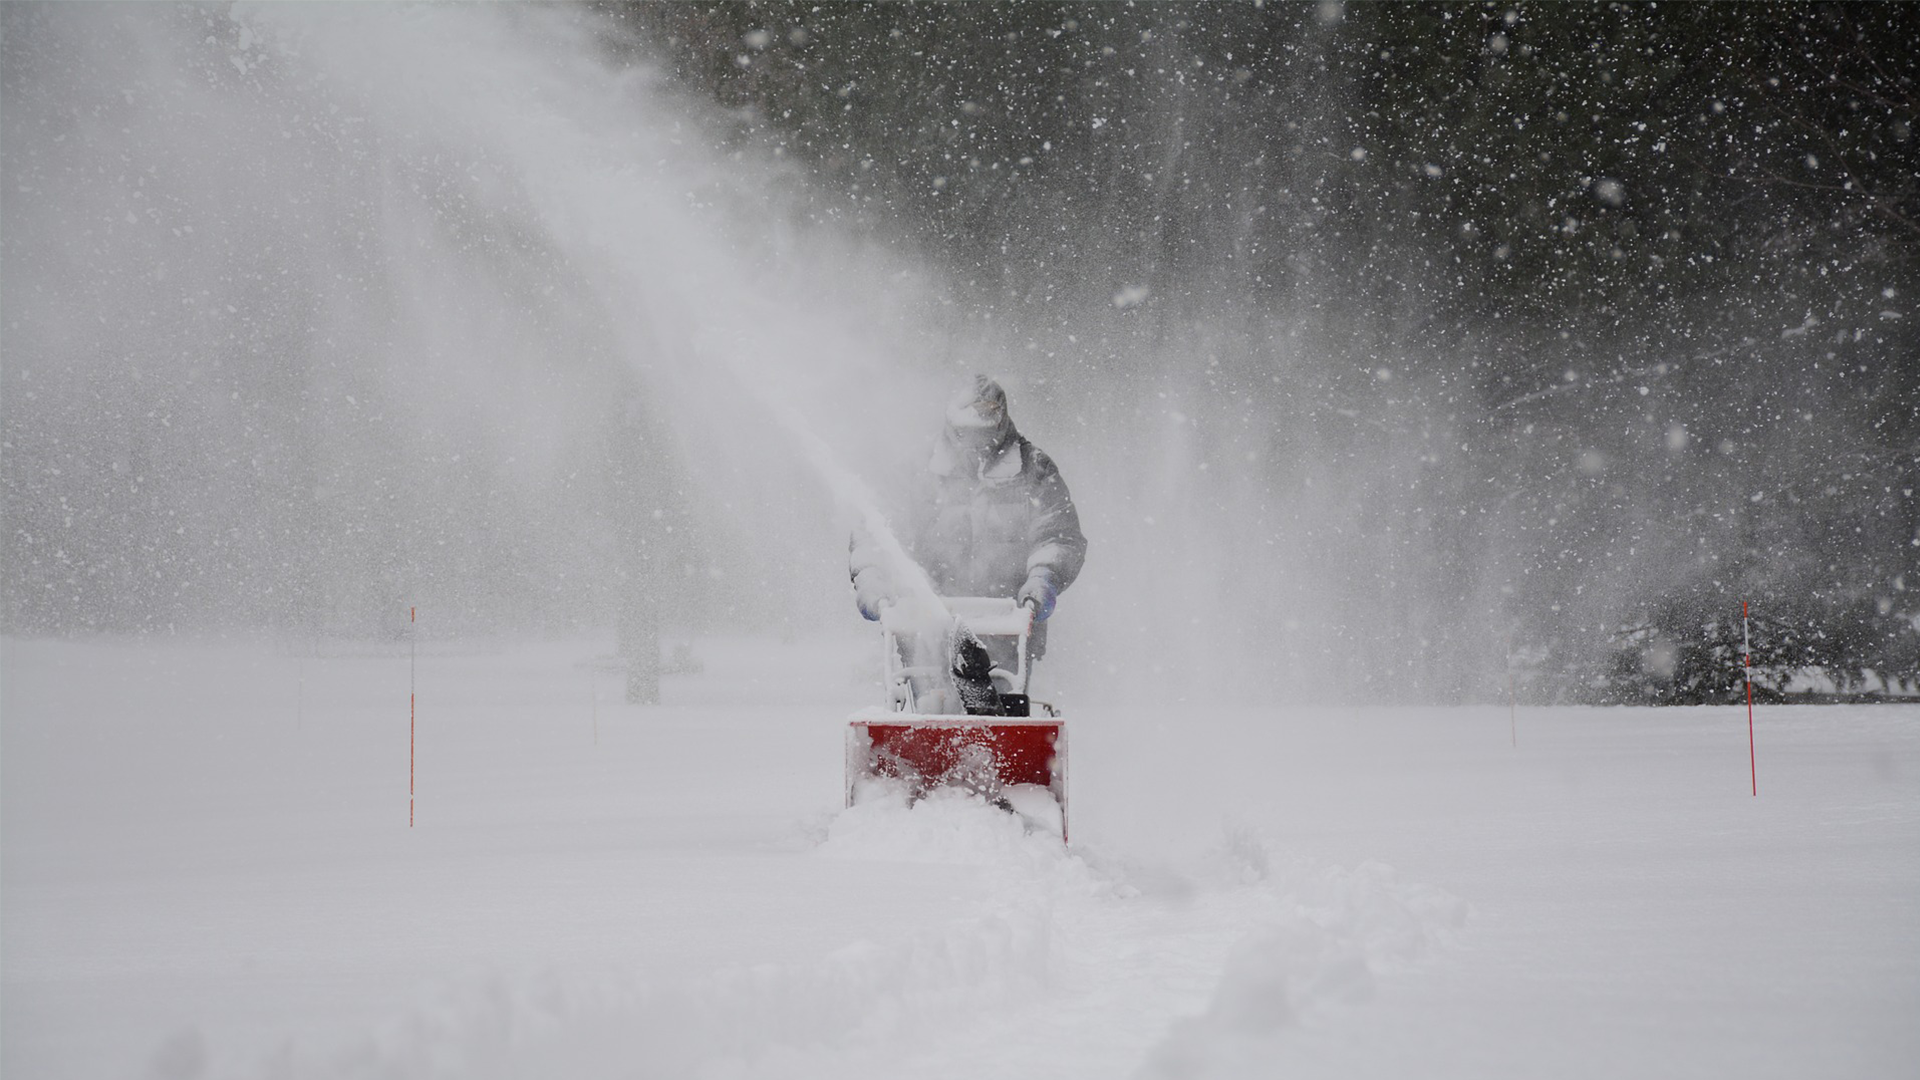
[[208, 871]]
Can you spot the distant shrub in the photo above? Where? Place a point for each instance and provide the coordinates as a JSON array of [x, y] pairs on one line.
[[1679, 654]]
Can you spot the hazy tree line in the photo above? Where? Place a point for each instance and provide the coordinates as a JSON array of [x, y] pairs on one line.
[[1548, 332], [1606, 310]]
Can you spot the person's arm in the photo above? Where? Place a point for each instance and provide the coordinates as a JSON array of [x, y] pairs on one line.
[[871, 588], [908, 502], [1058, 548]]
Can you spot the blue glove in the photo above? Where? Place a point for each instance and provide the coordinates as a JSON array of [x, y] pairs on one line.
[[869, 593], [1039, 594]]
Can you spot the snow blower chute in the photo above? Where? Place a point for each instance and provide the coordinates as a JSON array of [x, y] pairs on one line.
[[938, 729]]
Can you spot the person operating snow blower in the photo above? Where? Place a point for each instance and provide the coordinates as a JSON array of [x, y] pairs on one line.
[[988, 516]]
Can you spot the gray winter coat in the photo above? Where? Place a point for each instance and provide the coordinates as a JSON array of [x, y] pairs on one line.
[[982, 525], [982, 528]]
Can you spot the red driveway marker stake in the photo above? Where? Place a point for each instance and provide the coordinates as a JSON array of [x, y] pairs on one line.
[[1746, 645], [413, 662]]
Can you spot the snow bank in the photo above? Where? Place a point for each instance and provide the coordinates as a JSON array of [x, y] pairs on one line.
[[1106, 963], [948, 826], [1329, 933]]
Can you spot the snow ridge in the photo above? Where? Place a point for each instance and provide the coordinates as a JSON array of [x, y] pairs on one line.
[[1137, 968]]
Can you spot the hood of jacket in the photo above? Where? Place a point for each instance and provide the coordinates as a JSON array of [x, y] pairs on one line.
[[978, 434]]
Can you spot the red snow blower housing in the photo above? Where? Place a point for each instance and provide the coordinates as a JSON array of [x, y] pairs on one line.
[[958, 722]]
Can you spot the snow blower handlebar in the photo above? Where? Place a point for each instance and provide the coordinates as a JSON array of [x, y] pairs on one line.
[[991, 616], [985, 616]]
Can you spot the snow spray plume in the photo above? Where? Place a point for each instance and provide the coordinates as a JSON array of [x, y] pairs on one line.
[[416, 303], [918, 613], [920, 604], [440, 304]]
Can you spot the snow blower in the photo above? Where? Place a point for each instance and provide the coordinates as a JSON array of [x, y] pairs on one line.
[[953, 719]]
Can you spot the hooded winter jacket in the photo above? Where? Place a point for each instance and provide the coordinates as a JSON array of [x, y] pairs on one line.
[[987, 522], [989, 514]]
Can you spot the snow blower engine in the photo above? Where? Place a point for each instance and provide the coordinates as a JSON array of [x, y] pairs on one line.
[[953, 718]]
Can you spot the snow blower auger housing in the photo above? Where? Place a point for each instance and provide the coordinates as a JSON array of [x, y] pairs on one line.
[[1009, 756]]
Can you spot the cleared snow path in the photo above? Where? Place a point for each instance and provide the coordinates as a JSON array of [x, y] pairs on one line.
[[208, 873]]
